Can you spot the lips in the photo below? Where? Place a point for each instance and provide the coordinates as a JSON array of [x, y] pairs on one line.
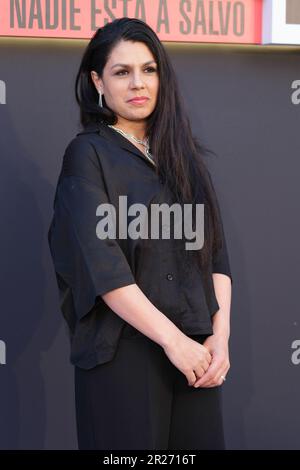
[[140, 99]]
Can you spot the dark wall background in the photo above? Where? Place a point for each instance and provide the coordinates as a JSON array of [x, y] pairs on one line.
[[239, 100]]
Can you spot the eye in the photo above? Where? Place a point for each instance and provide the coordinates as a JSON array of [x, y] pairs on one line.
[[120, 72], [152, 69]]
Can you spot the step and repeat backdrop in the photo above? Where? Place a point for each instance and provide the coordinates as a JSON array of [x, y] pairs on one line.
[[238, 68]]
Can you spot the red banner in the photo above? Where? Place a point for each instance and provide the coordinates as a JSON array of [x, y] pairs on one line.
[[224, 21]]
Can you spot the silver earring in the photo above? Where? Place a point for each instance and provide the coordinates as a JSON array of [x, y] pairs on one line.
[[100, 99]]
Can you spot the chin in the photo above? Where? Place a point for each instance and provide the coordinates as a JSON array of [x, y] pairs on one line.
[[138, 116]]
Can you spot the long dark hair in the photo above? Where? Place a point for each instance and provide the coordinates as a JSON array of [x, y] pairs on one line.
[[178, 154]]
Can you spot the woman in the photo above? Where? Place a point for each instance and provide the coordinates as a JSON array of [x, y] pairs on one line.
[[148, 318]]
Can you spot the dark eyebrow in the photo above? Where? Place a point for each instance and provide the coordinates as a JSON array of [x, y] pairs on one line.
[[126, 65]]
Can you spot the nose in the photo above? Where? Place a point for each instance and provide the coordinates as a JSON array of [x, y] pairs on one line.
[[137, 81]]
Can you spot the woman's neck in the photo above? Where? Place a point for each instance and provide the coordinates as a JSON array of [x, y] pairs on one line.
[[132, 127]]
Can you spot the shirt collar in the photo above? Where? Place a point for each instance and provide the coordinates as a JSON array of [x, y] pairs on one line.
[[111, 134]]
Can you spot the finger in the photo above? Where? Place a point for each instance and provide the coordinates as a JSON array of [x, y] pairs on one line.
[[209, 375], [218, 379], [208, 357], [217, 369], [211, 386], [216, 383], [204, 364], [199, 371], [206, 378], [191, 378]]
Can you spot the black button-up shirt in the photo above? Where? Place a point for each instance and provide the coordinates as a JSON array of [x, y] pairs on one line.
[[99, 165]]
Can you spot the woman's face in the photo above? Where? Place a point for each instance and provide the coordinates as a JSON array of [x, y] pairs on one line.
[[136, 76]]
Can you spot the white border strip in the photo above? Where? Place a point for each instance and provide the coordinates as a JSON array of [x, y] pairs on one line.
[[275, 29]]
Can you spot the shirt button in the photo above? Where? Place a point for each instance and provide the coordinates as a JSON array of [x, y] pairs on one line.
[[169, 277]]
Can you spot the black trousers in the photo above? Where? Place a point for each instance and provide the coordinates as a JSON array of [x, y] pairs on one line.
[[140, 400]]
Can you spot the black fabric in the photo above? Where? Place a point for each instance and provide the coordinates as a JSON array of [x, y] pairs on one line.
[[141, 401], [99, 165]]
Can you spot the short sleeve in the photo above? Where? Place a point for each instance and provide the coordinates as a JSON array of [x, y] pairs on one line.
[[220, 259], [90, 266]]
